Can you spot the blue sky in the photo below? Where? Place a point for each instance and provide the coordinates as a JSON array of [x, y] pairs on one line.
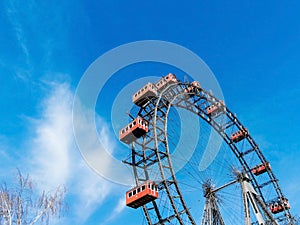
[[252, 48]]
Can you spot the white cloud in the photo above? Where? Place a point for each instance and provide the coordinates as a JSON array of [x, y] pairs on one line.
[[54, 159], [54, 140]]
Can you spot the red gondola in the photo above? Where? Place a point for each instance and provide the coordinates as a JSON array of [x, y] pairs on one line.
[[280, 206], [141, 194], [164, 81], [216, 108], [134, 130], [260, 169], [239, 135], [141, 96], [192, 88]]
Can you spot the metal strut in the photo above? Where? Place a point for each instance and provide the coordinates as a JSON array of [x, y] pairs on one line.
[[212, 215], [250, 198]]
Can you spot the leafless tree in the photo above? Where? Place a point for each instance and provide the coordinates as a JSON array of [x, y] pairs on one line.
[[22, 205]]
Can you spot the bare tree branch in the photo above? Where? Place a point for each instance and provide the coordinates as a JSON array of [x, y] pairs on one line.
[[21, 205]]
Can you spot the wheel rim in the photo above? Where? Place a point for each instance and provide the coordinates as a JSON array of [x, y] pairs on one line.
[[152, 153]]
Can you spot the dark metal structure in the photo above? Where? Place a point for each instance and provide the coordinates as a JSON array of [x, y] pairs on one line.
[[152, 152]]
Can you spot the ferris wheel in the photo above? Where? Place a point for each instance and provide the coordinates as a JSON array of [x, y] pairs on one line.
[[236, 185]]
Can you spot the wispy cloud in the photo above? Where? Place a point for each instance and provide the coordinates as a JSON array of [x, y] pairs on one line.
[[120, 206], [38, 32], [88, 191], [55, 160], [97, 147], [14, 16], [54, 140]]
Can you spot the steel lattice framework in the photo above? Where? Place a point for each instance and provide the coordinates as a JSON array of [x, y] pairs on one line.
[[152, 150]]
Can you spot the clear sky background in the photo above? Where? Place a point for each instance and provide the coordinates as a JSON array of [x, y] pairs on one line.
[[253, 48]]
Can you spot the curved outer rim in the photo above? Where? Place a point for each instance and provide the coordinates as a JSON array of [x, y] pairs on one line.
[[210, 98]]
